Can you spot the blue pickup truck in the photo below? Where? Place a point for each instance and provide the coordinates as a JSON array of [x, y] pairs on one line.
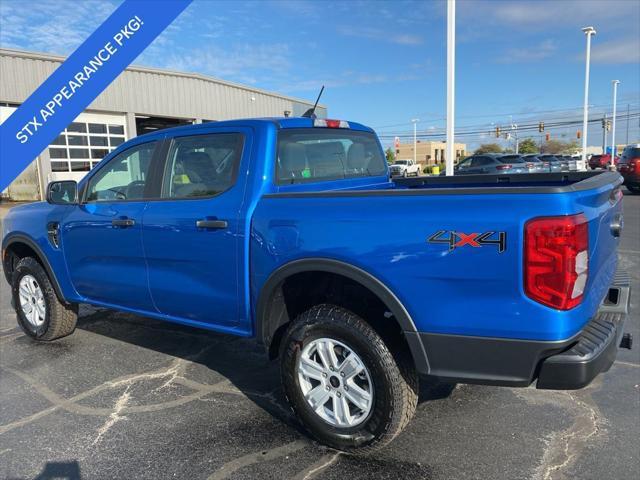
[[291, 232]]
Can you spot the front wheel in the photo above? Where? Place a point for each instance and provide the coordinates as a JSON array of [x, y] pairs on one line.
[[41, 315], [343, 382]]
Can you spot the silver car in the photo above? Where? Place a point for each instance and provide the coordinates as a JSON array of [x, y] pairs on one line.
[[491, 163]]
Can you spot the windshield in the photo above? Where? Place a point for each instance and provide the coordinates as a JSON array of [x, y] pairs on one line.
[[402, 162], [316, 154]]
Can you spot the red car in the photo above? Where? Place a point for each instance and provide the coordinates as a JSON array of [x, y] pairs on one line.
[[629, 168], [601, 161]]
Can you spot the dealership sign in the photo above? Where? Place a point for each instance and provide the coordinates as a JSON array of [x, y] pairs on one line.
[[80, 79]]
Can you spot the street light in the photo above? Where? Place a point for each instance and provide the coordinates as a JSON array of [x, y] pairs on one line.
[[415, 141], [613, 126], [588, 31], [451, 75]]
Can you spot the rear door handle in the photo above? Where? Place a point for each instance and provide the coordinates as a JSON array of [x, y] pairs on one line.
[[213, 224], [123, 222]]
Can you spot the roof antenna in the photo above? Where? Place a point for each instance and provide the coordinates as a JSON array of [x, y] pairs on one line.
[[311, 113]]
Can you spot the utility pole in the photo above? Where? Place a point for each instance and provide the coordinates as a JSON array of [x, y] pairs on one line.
[[613, 127], [582, 164], [604, 134], [626, 142], [451, 77], [415, 139]]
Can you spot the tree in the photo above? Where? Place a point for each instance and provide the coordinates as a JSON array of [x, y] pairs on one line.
[[391, 156], [528, 145], [571, 147], [558, 146], [488, 148]]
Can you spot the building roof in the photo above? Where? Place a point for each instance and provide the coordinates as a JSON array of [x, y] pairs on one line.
[[151, 91]]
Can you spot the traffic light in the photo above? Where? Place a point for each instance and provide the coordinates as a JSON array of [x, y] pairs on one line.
[[497, 132], [608, 125], [547, 137], [541, 127], [578, 134]]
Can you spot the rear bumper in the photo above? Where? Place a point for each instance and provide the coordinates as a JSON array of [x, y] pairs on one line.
[[565, 365]]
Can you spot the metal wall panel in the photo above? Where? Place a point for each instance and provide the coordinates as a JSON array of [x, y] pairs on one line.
[[151, 92]]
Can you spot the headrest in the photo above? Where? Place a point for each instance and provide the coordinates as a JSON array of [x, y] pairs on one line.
[[356, 157], [199, 158], [293, 158]]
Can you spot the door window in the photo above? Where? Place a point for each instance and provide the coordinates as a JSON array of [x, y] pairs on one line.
[[124, 177], [202, 165], [482, 161]]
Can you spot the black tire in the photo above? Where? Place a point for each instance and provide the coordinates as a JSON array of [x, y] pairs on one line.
[[634, 190], [60, 319], [395, 382]]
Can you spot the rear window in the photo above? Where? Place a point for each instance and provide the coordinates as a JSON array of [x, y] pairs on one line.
[[629, 153], [316, 154], [510, 159]]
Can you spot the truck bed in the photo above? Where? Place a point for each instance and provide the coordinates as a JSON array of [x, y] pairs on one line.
[[386, 230], [560, 182]]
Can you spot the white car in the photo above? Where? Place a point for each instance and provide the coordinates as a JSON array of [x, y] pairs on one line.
[[404, 168]]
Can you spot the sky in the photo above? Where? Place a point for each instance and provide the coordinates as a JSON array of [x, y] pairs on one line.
[[384, 62]]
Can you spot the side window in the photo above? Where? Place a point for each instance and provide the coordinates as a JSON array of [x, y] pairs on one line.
[[124, 177], [202, 165], [466, 163], [478, 161]]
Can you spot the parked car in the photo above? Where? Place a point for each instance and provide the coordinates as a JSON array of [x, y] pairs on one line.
[[571, 162], [542, 166], [310, 249], [405, 168], [535, 164], [555, 164], [629, 168], [491, 163], [602, 161]]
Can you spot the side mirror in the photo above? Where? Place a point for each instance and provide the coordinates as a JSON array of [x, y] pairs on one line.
[[64, 192]]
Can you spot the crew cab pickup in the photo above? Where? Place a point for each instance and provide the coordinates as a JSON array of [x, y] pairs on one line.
[[404, 168], [290, 231]]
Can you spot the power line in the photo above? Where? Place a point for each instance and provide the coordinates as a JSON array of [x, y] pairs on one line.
[[521, 128], [489, 115], [506, 125]]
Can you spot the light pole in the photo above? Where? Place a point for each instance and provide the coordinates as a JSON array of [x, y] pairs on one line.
[[604, 134], [613, 126], [582, 165], [451, 75], [415, 139], [514, 129]]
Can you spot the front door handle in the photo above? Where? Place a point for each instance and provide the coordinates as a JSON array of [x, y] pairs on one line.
[[213, 224], [123, 222]]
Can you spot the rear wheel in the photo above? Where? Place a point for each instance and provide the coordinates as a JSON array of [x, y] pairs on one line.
[[343, 382], [41, 315]]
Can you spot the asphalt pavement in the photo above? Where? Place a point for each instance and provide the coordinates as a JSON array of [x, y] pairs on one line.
[[129, 397]]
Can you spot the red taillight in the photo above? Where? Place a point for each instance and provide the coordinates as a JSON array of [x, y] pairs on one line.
[[503, 167], [556, 260], [634, 164]]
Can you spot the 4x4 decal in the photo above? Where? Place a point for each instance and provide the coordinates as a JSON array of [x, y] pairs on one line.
[[459, 239]]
